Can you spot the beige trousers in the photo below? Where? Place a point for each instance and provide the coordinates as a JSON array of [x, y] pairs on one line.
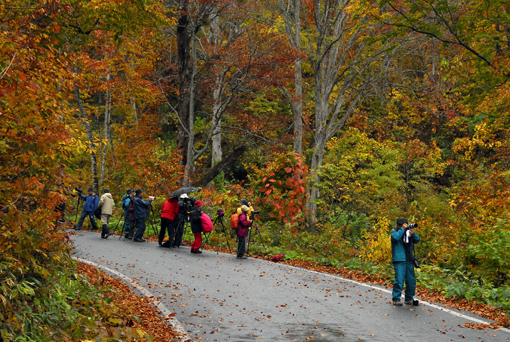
[[105, 218]]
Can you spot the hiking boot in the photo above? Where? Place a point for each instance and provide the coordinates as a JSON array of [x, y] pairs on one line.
[[398, 303], [139, 240], [408, 302], [108, 235], [198, 251]]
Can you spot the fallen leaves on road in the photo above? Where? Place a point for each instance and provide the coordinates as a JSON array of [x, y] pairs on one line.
[[151, 320]]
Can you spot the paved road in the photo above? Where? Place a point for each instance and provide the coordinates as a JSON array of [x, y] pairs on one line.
[[219, 298]]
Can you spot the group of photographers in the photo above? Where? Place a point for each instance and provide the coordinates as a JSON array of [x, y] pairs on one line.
[[176, 211], [135, 212]]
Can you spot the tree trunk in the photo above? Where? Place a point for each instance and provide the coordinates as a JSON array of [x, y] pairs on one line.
[[104, 143], [298, 79], [183, 54], [216, 140], [222, 165], [190, 161], [297, 109], [85, 120]]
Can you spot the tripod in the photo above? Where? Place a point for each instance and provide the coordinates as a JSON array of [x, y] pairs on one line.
[[77, 207], [151, 219], [219, 220], [260, 236], [180, 230], [120, 219]]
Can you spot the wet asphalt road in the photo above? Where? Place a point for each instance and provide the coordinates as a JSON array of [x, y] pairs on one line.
[[219, 298]]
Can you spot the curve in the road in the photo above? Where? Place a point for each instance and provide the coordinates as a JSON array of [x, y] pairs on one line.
[[454, 313], [176, 325]]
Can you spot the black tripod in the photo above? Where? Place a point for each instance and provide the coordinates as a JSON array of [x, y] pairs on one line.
[[258, 232], [151, 220], [219, 220], [180, 231], [77, 207]]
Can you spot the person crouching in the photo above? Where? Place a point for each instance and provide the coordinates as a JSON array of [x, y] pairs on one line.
[[196, 226], [242, 231]]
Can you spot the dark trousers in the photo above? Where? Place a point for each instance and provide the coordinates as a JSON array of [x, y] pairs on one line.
[[140, 228], [127, 222], [90, 214], [404, 273], [241, 245], [179, 231], [167, 224], [132, 227]]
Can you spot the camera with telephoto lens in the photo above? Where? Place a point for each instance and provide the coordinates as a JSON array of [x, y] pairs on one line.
[[255, 212], [80, 191], [185, 205], [412, 225], [220, 213]]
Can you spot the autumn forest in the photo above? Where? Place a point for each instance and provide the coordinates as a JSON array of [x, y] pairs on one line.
[[334, 118]]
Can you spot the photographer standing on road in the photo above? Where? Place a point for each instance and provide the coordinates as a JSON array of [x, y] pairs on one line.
[[126, 201], [185, 205], [248, 217], [403, 239], [106, 204], [88, 209], [141, 212], [196, 226], [242, 231], [169, 212]]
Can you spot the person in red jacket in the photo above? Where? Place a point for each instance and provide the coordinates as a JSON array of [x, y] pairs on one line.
[[242, 231], [169, 212]]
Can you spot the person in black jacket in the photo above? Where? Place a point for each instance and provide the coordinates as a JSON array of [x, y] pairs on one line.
[[141, 212], [196, 226]]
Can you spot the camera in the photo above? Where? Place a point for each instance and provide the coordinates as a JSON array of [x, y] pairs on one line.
[[220, 213], [185, 204], [255, 212], [412, 225], [80, 191], [152, 198]]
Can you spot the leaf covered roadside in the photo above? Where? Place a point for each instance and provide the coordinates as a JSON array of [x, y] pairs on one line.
[[78, 303], [138, 319]]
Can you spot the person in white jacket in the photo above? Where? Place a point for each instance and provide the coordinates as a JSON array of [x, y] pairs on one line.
[[106, 204]]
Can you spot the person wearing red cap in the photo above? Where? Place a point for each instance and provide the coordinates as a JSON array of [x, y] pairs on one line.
[[196, 226]]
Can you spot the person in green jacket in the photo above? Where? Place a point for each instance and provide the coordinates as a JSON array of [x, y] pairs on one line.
[[402, 247]]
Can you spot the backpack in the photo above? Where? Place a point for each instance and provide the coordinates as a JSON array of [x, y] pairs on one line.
[[124, 201], [206, 223], [97, 212], [234, 221]]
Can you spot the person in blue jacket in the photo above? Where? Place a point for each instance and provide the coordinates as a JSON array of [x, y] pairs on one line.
[[126, 200], [402, 247], [88, 209], [141, 212]]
